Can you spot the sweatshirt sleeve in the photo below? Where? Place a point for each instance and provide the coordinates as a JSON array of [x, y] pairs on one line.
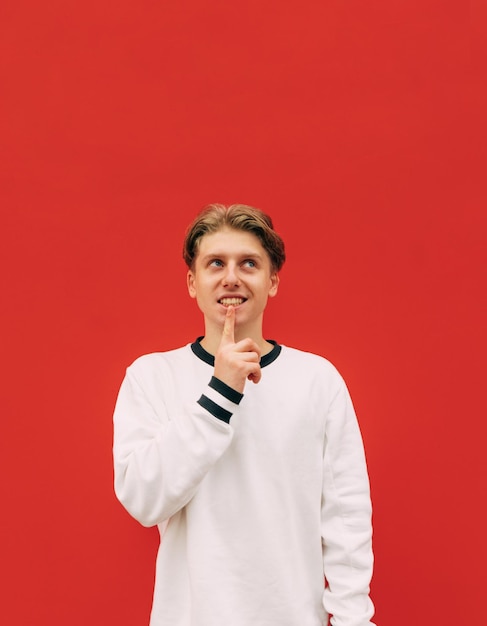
[[346, 517], [160, 459]]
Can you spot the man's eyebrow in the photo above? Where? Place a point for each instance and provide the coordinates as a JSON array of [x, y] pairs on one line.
[[221, 255]]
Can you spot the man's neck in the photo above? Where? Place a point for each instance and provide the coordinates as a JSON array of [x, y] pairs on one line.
[[211, 340]]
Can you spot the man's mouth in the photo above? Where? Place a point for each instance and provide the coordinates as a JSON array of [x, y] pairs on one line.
[[231, 301]]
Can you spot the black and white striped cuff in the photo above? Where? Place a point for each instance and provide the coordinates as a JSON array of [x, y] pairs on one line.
[[220, 400]]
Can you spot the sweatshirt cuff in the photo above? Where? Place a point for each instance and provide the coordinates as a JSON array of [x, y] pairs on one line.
[[220, 400]]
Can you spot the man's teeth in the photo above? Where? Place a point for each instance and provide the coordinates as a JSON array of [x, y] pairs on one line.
[[231, 301]]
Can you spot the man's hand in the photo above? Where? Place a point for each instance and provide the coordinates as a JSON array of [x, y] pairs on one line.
[[235, 362]]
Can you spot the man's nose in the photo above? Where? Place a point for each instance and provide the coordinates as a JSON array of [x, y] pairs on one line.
[[231, 277]]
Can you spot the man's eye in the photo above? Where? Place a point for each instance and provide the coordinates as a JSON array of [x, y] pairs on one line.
[[249, 263], [216, 263]]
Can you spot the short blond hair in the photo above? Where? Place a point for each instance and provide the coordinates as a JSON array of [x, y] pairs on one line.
[[240, 217]]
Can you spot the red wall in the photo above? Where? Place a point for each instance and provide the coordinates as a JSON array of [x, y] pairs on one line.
[[358, 126]]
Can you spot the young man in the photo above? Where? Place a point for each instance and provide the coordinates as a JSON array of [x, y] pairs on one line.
[[246, 454]]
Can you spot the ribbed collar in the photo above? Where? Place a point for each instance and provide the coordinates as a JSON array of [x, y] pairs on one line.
[[205, 356]]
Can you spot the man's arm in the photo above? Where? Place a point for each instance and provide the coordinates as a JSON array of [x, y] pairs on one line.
[[160, 459], [346, 518]]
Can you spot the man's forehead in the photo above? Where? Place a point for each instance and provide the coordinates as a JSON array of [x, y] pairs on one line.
[[227, 242], [229, 239]]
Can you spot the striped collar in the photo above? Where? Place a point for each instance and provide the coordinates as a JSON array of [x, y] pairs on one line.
[[205, 356]]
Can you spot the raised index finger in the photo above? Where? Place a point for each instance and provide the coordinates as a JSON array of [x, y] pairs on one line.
[[228, 335]]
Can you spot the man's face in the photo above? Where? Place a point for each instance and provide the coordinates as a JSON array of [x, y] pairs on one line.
[[232, 267]]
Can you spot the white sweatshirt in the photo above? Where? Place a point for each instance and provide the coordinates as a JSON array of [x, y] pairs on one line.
[[257, 498]]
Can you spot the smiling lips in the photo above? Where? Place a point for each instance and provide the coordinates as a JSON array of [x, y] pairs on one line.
[[232, 301]]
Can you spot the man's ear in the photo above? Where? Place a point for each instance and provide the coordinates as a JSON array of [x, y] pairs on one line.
[[274, 285], [190, 283]]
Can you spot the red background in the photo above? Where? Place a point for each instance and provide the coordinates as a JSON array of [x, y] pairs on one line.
[[359, 127]]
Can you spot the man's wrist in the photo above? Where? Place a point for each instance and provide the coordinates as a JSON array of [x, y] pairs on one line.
[[220, 400], [225, 390]]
